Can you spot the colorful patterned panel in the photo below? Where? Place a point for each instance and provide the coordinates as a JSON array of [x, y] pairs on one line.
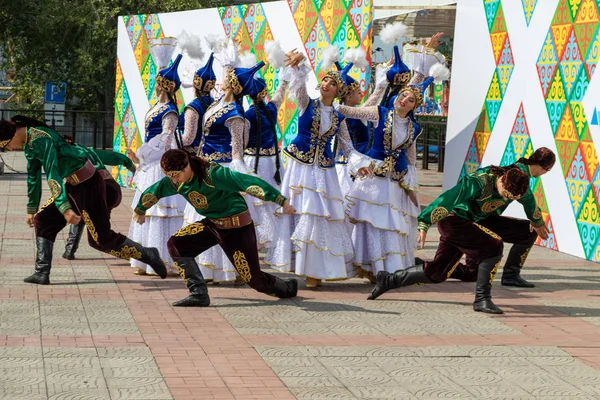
[[505, 65], [519, 145], [566, 65], [528, 9], [127, 133]]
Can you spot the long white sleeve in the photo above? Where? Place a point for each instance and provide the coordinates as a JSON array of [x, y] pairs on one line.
[[151, 151]]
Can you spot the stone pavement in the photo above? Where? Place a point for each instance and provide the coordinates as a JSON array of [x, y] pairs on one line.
[[100, 332]]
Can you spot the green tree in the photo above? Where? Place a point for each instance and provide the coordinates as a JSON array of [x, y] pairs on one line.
[[72, 41]]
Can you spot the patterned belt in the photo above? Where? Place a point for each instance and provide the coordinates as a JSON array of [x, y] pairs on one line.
[[105, 174], [82, 174], [235, 221]]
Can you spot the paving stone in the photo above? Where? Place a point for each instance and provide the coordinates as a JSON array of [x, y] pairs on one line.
[[322, 393]]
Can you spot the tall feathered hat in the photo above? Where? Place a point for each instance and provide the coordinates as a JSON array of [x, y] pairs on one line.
[[331, 57], [437, 73], [162, 49], [258, 89], [399, 74], [205, 78]]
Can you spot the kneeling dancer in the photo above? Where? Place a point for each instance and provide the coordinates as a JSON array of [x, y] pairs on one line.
[[214, 191], [457, 213], [83, 196]]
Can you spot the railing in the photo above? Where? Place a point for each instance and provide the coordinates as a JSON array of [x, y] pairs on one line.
[[88, 128], [431, 144]]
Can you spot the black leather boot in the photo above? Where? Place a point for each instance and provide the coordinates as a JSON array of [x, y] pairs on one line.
[[403, 277], [73, 240], [483, 292], [511, 276], [43, 262], [284, 289], [190, 272], [147, 255]]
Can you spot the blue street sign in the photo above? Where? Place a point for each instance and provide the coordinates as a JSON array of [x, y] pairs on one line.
[[56, 92]]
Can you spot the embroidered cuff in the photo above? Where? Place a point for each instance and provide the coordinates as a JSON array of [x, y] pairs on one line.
[[66, 206], [424, 227], [537, 223], [139, 211], [31, 210], [280, 199]]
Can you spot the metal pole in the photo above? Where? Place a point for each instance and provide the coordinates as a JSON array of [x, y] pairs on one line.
[[425, 146]]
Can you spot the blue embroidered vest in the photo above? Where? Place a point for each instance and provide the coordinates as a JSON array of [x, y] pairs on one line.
[[309, 146], [197, 106], [359, 134], [267, 134], [154, 119], [216, 138], [394, 159]]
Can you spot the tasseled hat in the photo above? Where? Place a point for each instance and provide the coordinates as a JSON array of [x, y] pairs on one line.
[[7, 132], [438, 73], [259, 88], [241, 79], [204, 78], [399, 74]]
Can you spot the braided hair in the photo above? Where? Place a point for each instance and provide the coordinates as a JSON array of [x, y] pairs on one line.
[[544, 157]]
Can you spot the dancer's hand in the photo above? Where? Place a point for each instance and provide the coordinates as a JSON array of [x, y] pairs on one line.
[[542, 231], [71, 217], [140, 219], [435, 40], [365, 172], [131, 154], [421, 239], [29, 220], [288, 208]]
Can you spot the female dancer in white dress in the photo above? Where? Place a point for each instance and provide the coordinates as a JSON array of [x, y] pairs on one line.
[[383, 208], [166, 217], [316, 233]]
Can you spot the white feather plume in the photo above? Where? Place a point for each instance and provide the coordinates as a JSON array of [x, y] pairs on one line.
[[392, 32], [247, 59], [215, 40], [191, 44], [356, 56], [275, 54], [331, 54], [439, 72], [162, 50]]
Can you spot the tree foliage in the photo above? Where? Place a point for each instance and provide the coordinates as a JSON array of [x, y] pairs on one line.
[[72, 41]]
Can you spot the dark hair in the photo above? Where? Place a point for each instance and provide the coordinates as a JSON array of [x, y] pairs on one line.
[[514, 179], [68, 139], [197, 164], [544, 157], [260, 109]]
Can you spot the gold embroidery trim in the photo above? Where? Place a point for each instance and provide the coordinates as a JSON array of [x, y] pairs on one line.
[[181, 273], [90, 225], [126, 253], [191, 229], [256, 191], [153, 113], [524, 256], [4, 143], [241, 265], [491, 206], [198, 200], [207, 180], [148, 200], [493, 272], [438, 214], [486, 230], [33, 134], [217, 155], [251, 151], [537, 214], [487, 181], [453, 269]]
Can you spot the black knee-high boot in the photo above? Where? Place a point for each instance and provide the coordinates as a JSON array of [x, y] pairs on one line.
[[73, 240], [190, 272], [285, 289], [511, 276], [404, 277], [147, 255], [483, 292], [43, 262]]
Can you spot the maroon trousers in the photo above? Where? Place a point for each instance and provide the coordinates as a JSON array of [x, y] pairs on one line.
[[477, 241], [239, 244], [93, 200]]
